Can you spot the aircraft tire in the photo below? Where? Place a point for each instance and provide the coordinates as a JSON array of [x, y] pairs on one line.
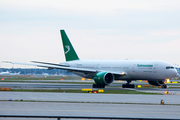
[[132, 86], [103, 86], [124, 86], [164, 86], [128, 86], [94, 85], [98, 86]]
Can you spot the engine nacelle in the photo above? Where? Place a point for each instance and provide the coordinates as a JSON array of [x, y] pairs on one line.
[[103, 78], [156, 83]]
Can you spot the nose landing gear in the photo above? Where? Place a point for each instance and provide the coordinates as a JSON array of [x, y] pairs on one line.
[[164, 86]]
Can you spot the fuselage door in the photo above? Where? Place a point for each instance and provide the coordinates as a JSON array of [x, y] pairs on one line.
[[134, 68], [134, 71], [97, 66], [155, 68]]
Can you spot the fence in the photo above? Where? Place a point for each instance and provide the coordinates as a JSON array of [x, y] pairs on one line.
[[81, 117]]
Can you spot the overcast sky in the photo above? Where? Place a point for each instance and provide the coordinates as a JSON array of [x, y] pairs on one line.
[[98, 29]]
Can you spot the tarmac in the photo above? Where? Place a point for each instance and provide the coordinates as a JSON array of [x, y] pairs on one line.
[[89, 109], [91, 97], [88, 104]]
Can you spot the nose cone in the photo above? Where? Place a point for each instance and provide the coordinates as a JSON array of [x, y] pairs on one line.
[[174, 73], [171, 73]]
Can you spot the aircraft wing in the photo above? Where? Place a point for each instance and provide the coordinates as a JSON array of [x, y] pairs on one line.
[[70, 69]]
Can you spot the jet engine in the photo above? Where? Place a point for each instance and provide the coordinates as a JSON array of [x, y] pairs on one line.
[[103, 78]]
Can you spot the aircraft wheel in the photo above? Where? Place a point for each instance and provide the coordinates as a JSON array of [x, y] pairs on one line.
[[124, 86], [128, 86], [132, 86], [164, 86], [94, 85], [98, 86], [103, 86]]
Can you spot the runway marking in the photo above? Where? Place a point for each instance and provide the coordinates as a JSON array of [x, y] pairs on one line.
[[173, 113]]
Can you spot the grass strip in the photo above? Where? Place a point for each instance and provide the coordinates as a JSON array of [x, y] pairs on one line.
[[80, 91], [58, 82]]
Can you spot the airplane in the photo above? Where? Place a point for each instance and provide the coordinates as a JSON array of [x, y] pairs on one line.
[[14, 73], [4, 73], [45, 74], [104, 72]]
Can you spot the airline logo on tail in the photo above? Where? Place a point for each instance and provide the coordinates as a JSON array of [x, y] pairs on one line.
[[68, 49]]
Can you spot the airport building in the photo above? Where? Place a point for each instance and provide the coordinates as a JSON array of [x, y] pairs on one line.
[[36, 71]]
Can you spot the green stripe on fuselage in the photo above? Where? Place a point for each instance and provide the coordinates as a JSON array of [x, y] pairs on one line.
[[140, 65]]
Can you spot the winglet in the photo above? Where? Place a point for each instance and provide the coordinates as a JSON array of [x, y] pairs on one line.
[[69, 51]]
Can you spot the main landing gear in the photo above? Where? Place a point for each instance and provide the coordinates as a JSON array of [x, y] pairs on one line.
[[98, 86], [128, 85]]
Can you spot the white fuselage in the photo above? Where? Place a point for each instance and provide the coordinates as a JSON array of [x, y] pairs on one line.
[[134, 69]]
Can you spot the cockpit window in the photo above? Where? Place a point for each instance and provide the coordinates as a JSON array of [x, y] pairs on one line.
[[169, 67]]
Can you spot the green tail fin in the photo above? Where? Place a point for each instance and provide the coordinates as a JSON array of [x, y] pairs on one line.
[[69, 51]]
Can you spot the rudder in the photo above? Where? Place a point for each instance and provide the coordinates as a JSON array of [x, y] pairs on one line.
[[69, 51]]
